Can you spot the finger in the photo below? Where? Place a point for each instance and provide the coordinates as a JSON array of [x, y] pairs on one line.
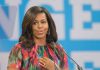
[[44, 62], [41, 59], [41, 63], [45, 58]]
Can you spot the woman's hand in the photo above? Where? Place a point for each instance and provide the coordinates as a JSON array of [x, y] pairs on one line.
[[47, 63]]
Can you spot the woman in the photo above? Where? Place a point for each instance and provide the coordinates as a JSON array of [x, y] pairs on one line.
[[38, 48]]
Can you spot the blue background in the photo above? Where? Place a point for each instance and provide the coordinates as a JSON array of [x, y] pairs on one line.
[[68, 44]]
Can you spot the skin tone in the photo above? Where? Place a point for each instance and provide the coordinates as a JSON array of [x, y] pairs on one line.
[[40, 29]]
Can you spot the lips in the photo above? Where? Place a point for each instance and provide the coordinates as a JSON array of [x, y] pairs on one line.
[[40, 32]]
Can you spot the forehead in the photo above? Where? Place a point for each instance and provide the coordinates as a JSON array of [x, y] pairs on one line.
[[40, 16]]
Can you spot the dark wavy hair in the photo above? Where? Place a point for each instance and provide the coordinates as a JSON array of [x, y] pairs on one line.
[[27, 35]]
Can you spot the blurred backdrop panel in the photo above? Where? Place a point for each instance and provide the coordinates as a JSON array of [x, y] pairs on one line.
[[77, 22]]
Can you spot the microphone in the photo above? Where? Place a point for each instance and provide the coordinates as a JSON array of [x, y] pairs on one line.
[[78, 66]]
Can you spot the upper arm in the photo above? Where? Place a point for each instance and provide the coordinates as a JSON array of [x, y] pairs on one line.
[[15, 57]]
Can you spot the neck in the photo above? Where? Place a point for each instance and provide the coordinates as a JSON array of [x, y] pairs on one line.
[[40, 41]]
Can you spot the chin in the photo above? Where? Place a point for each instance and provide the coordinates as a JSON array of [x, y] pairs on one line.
[[40, 37]]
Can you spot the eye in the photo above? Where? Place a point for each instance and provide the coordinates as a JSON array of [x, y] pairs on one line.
[[44, 21], [35, 22]]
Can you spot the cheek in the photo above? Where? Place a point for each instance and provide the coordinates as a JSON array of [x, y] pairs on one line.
[[33, 29], [47, 28]]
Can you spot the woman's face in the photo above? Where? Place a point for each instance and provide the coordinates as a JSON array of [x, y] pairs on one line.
[[40, 26]]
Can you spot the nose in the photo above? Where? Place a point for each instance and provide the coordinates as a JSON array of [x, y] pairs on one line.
[[39, 25]]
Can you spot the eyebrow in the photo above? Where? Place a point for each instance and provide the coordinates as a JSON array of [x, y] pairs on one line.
[[41, 20]]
